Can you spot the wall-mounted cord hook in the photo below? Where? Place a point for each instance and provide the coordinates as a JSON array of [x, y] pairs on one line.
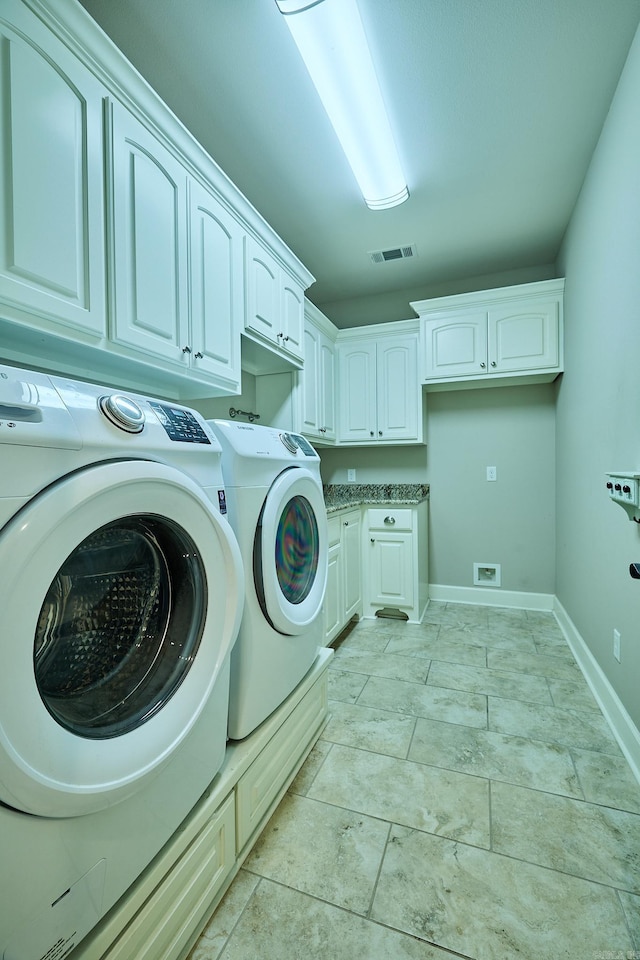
[[234, 412]]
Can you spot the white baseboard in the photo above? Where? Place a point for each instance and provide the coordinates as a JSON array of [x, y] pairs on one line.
[[622, 726], [491, 596]]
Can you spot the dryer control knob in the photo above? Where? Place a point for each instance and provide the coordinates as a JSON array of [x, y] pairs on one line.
[[289, 442], [123, 412]]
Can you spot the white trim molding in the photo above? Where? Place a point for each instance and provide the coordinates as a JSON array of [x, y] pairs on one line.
[[491, 596], [622, 726]]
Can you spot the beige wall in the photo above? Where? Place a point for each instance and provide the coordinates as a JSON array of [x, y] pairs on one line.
[[598, 410]]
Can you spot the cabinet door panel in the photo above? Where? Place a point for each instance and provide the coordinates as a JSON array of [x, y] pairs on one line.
[[149, 232], [51, 167], [391, 570], [292, 318], [456, 347], [310, 382], [263, 292], [352, 555], [397, 381], [524, 339], [217, 305], [332, 605], [327, 388], [357, 392]]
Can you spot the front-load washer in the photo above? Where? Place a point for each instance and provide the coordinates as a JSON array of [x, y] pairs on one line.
[[121, 595], [276, 507]]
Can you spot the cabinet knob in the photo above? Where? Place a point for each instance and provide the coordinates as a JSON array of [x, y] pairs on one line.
[[493, 363], [346, 523], [198, 355], [390, 520], [372, 540], [483, 364], [371, 432], [379, 433], [323, 429], [186, 349]]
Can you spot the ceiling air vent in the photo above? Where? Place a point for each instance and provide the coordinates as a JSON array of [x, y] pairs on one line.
[[393, 253]]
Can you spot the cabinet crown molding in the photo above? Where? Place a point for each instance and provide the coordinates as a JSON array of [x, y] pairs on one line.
[[538, 288]]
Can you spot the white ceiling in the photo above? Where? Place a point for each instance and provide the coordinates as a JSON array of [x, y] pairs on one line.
[[496, 105]]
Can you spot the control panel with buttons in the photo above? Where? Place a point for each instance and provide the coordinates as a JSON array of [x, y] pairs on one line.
[[624, 488]]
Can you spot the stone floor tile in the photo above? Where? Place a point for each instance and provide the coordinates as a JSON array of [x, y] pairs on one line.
[[571, 836], [382, 665], [491, 907], [324, 850], [431, 799], [607, 780], [499, 683], [431, 702], [483, 753], [370, 728], [345, 685], [572, 728], [573, 695], [284, 924], [438, 649], [535, 664]]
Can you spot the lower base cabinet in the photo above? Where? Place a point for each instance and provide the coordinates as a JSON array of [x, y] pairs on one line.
[[162, 915], [395, 560], [343, 598]]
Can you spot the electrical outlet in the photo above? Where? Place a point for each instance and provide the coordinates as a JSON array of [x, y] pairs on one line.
[[351, 476], [492, 473], [616, 645]]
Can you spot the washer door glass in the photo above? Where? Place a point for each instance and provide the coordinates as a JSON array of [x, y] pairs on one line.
[[297, 549], [290, 552], [120, 626]]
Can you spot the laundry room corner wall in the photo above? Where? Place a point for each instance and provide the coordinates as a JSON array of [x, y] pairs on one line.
[[599, 397]]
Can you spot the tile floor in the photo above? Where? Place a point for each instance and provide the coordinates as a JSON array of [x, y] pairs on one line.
[[466, 799]]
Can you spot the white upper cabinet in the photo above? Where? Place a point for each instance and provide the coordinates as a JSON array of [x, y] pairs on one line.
[[51, 181], [318, 386], [148, 241], [177, 260], [504, 336], [274, 304], [122, 247], [380, 396], [216, 285]]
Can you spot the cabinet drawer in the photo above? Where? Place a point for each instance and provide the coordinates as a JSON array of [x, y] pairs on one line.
[[270, 771], [163, 927], [390, 518]]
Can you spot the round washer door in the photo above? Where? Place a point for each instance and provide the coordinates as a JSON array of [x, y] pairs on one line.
[[122, 593], [290, 558]]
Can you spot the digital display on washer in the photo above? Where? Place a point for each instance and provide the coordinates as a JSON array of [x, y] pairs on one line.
[[304, 445], [179, 424]]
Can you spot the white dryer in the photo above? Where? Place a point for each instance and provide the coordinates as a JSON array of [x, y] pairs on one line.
[[276, 507], [121, 594]]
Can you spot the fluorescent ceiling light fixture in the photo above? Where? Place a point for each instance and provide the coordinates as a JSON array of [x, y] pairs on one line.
[[331, 39]]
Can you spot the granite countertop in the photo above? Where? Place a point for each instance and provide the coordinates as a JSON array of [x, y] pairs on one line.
[[337, 496]]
